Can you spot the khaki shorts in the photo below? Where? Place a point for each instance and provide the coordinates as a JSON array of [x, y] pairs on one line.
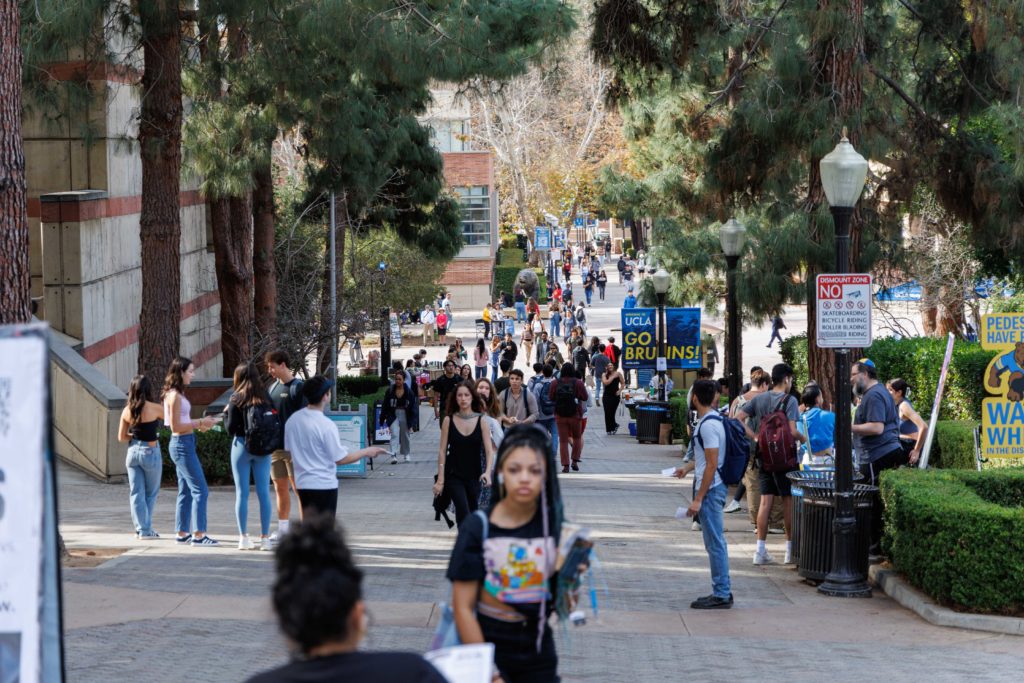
[[281, 465]]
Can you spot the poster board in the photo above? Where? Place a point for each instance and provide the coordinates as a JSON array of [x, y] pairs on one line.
[[352, 426], [31, 647], [683, 346], [1002, 412]]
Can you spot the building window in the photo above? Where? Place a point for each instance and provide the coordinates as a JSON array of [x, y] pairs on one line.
[[476, 214], [449, 136]]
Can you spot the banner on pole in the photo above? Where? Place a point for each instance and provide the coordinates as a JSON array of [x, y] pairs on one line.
[[1002, 414], [640, 338], [541, 238]]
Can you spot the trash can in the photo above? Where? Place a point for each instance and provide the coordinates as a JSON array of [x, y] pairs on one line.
[[798, 479], [817, 513], [649, 418]]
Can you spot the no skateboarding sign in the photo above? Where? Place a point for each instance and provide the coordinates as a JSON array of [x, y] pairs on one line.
[[844, 311]]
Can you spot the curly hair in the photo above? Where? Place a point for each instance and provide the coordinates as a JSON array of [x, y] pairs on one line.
[[318, 583]]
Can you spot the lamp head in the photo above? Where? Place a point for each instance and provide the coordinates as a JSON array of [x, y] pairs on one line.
[[661, 280], [843, 173], [733, 236]]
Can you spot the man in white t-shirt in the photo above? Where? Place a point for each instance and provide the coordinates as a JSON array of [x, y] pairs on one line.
[[428, 318], [316, 448], [710, 492]]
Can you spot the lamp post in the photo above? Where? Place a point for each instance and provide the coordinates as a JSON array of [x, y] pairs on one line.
[[843, 172], [733, 236], [661, 280]]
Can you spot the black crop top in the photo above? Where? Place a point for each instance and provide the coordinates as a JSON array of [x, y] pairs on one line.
[[145, 431]]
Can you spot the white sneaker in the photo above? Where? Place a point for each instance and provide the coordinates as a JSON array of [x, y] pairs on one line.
[[731, 506], [408, 458], [789, 557], [695, 526], [394, 459], [268, 543], [244, 543], [763, 558]]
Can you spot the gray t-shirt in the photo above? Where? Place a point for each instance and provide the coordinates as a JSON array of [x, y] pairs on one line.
[[766, 403], [877, 406], [600, 362], [712, 433]]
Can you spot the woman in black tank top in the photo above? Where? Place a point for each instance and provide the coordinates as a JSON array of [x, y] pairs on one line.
[[458, 462], [612, 380], [138, 425]]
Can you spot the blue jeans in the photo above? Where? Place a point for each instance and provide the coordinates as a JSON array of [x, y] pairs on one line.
[[712, 522], [192, 490], [520, 311], [242, 463], [556, 325], [481, 372], [589, 293], [597, 387], [550, 426], [145, 465]]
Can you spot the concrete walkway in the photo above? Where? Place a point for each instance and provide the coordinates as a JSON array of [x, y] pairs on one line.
[[166, 613]]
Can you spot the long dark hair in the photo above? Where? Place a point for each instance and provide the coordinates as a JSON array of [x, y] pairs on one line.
[[480, 346], [248, 387], [453, 406], [899, 384], [139, 391], [175, 379]]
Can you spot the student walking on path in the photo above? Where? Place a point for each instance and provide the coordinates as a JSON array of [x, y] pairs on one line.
[[248, 400], [459, 468], [777, 325], [138, 426], [569, 395], [397, 413], [480, 359], [193, 493]]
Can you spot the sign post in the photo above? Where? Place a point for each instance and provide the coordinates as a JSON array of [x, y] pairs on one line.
[[844, 311]]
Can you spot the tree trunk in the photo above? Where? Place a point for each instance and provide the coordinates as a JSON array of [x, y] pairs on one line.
[[233, 256], [15, 280], [328, 318], [160, 220], [264, 275]]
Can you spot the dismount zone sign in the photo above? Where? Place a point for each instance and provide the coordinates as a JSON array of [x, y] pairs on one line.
[[844, 311]]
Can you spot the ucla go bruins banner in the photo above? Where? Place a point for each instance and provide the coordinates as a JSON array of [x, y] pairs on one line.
[[1002, 413], [640, 338]]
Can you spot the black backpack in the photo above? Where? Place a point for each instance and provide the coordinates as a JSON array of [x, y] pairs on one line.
[[565, 399], [262, 429]]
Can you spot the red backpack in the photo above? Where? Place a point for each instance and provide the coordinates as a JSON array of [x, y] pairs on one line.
[[775, 443]]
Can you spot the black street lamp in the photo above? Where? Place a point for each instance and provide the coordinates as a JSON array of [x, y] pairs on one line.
[[661, 280], [733, 236], [843, 173]]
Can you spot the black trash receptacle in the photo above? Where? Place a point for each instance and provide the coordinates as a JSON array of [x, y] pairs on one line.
[[798, 479], [649, 417], [817, 516]]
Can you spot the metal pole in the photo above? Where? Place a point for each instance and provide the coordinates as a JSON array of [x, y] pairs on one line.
[[334, 306], [385, 344], [733, 363], [844, 580], [661, 344]]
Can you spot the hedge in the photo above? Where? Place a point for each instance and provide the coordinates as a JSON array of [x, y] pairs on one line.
[[214, 451], [505, 279], [359, 385], [511, 256], [677, 411], [958, 536], [918, 360]]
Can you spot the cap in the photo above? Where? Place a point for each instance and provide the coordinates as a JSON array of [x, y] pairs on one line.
[[868, 362], [315, 387]]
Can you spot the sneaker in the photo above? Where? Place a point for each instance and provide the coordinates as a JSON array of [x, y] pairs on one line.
[[695, 526], [204, 541], [576, 466], [151, 536], [408, 458], [268, 544], [565, 470], [789, 557], [712, 602], [394, 459], [187, 538], [244, 543], [732, 506], [776, 531], [763, 558]]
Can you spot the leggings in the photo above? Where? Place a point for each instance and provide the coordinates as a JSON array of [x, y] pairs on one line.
[[242, 463], [465, 496], [611, 405]]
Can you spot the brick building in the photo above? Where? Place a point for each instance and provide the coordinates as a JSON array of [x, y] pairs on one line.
[[469, 172]]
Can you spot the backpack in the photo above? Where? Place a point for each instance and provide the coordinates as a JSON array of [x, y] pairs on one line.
[[580, 359], [508, 392], [580, 315], [262, 429], [542, 392], [565, 399], [775, 443], [732, 460]]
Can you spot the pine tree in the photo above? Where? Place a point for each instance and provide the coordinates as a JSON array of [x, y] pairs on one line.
[[15, 285], [731, 106]]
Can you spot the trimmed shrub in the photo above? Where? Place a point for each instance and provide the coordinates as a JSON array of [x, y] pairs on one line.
[[958, 536], [511, 256], [214, 451], [953, 447], [918, 360], [358, 385], [678, 413], [627, 246]]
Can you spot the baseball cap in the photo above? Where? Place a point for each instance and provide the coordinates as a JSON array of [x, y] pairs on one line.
[[868, 362], [315, 387]]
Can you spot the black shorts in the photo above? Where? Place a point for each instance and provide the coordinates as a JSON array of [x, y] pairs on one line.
[[775, 484]]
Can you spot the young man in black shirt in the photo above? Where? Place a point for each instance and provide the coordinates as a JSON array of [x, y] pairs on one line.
[[443, 386], [286, 394]]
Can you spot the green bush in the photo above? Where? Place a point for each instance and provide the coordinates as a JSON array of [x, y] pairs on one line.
[[958, 536], [627, 246], [678, 413], [214, 451], [918, 360], [358, 385], [511, 256], [953, 446], [794, 354]]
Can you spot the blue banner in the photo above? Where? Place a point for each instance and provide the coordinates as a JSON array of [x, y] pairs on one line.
[[541, 238], [682, 338]]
